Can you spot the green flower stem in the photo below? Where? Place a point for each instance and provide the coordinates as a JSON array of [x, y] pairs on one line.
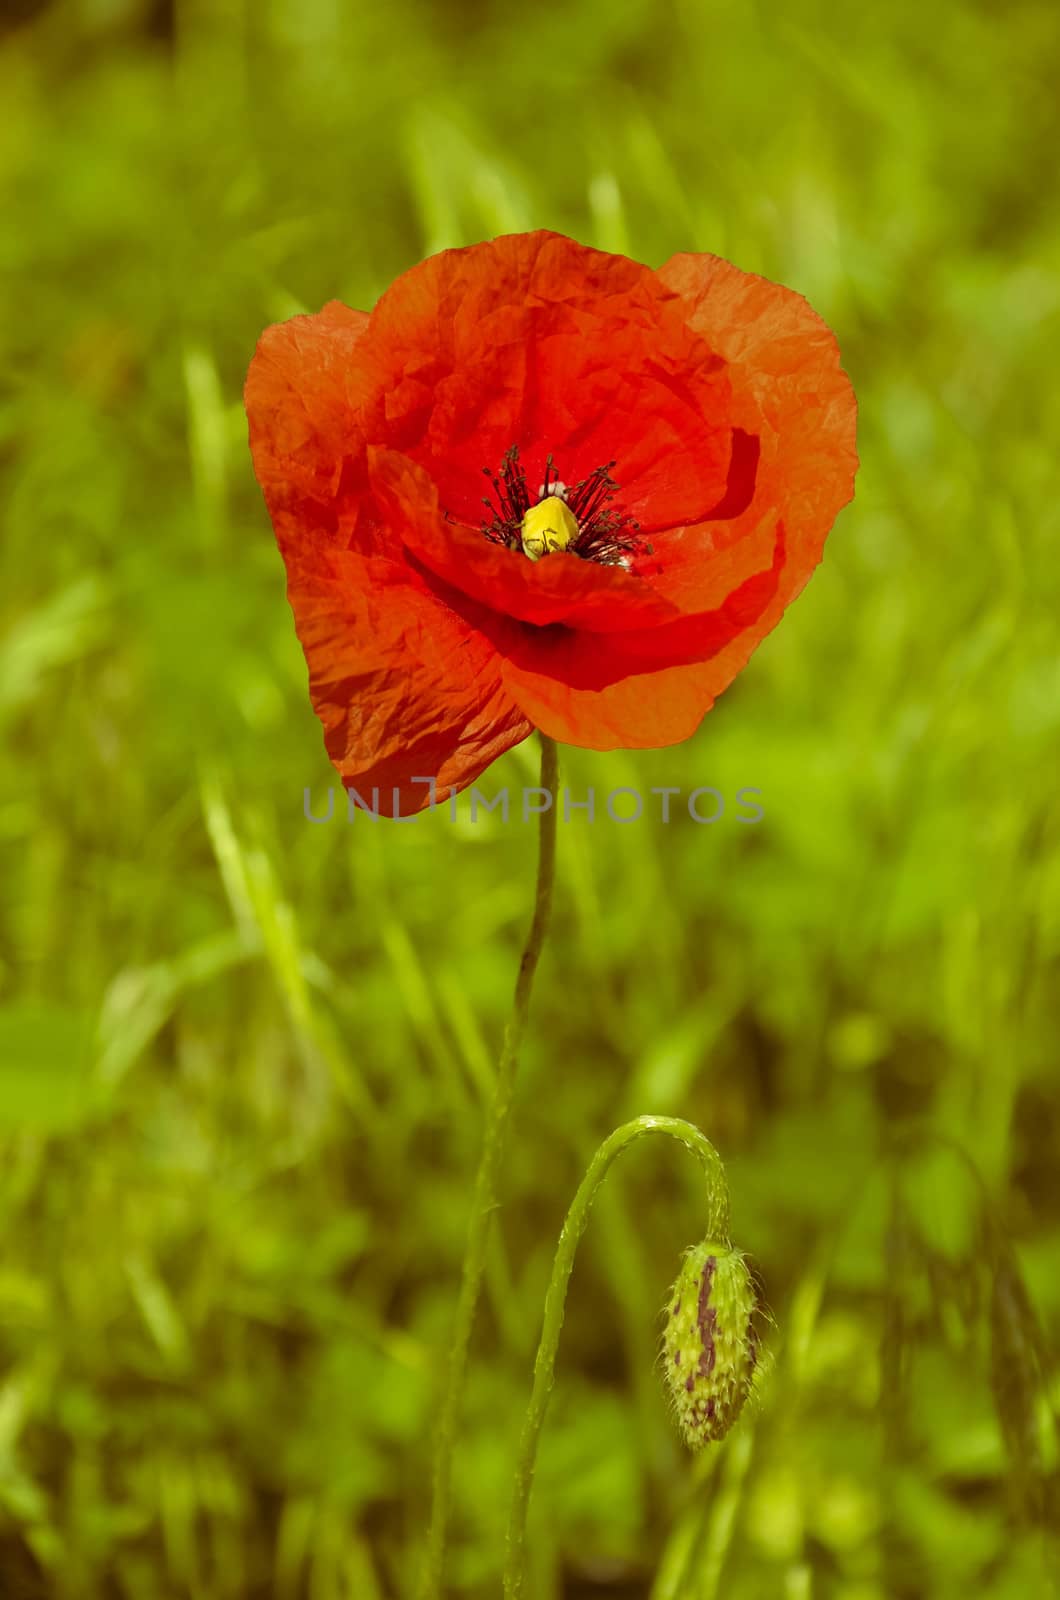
[[486, 1183], [717, 1227]]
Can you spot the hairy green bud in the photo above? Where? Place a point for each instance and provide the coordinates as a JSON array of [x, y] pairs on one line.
[[710, 1346]]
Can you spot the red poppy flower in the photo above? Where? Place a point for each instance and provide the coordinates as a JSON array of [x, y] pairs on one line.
[[664, 454]]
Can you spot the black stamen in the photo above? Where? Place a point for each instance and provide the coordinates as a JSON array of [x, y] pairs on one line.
[[605, 534], [513, 501]]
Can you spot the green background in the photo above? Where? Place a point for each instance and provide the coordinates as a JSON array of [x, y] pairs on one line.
[[243, 1060]]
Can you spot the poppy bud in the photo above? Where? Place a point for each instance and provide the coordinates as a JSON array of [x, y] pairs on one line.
[[710, 1346]]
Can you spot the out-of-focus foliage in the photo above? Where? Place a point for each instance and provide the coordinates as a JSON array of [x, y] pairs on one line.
[[243, 1058]]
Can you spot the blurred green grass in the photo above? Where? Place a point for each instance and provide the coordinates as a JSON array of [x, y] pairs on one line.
[[242, 1059]]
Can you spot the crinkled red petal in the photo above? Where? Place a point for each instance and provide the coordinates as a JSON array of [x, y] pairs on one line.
[[791, 393], [533, 340], [299, 403], [558, 588], [562, 678], [404, 687]]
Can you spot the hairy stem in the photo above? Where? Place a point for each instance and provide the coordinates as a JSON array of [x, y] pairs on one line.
[[485, 1194], [717, 1227]]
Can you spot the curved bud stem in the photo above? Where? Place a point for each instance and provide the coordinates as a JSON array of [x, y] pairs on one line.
[[486, 1183], [717, 1227]]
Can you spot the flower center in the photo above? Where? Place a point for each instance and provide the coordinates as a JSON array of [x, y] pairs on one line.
[[547, 527], [581, 521]]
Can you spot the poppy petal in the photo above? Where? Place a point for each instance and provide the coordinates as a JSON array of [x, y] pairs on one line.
[[300, 403], [404, 688], [641, 711], [791, 392], [558, 589], [565, 684], [533, 340]]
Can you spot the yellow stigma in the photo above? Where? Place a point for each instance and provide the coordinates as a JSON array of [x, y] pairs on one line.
[[547, 527]]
